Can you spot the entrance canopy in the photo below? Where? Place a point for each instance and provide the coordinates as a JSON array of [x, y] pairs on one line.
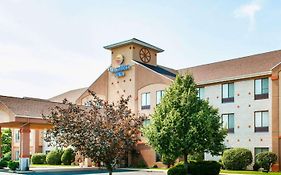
[[16, 112]]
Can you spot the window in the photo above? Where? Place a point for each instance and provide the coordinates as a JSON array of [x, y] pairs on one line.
[[201, 92], [228, 122], [17, 136], [228, 92], [88, 103], [261, 88], [159, 96], [145, 101], [17, 155], [260, 150], [261, 121]]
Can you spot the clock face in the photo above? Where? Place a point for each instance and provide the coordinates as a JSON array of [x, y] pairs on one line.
[[145, 55]]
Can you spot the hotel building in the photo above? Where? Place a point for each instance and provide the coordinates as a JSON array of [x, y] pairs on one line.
[[245, 90]]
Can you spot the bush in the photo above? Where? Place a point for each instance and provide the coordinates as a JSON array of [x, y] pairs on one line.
[[13, 165], [196, 157], [266, 159], [3, 163], [68, 156], [178, 169], [196, 168], [237, 158], [7, 156], [256, 167], [54, 157], [204, 167], [38, 158]]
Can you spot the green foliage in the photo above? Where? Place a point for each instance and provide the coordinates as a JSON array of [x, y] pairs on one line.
[[266, 159], [13, 165], [68, 156], [7, 156], [196, 168], [204, 168], [196, 157], [237, 158], [38, 158], [3, 163], [168, 160], [54, 157], [183, 124], [179, 169], [6, 140]]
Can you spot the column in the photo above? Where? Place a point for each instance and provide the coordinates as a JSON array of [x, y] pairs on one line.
[[24, 147]]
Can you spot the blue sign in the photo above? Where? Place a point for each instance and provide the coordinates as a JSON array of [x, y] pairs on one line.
[[119, 71]]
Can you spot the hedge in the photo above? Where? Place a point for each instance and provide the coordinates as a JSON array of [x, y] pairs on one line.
[[196, 168], [237, 158], [3, 163], [38, 158], [68, 156], [54, 157], [13, 165]]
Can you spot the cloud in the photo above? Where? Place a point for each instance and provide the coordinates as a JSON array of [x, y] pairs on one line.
[[249, 11]]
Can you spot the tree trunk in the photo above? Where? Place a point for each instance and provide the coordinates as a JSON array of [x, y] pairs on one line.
[[185, 162]]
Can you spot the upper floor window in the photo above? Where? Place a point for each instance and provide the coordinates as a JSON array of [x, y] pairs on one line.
[[228, 92], [201, 92], [261, 88], [261, 121], [145, 100], [228, 122], [159, 96]]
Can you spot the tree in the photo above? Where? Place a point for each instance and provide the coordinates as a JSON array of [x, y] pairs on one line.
[[6, 141], [182, 124], [104, 132]]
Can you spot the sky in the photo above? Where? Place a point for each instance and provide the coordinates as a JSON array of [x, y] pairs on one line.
[[48, 47]]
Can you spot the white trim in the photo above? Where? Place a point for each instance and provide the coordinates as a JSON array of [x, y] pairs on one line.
[[153, 70], [235, 78]]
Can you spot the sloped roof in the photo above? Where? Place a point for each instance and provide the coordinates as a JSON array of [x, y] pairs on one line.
[[249, 65], [133, 41], [28, 107], [71, 95], [168, 72]]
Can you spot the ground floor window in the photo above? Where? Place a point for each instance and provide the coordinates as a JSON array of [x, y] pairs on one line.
[[260, 150], [17, 155], [158, 157]]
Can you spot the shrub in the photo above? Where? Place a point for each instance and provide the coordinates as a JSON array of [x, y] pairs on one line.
[[237, 158], [3, 163], [13, 165], [266, 159], [196, 157], [54, 157], [256, 167], [204, 167], [38, 158], [178, 169], [7, 156], [68, 156], [196, 168]]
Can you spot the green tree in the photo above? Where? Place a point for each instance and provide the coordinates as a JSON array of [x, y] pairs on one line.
[[183, 124], [6, 141]]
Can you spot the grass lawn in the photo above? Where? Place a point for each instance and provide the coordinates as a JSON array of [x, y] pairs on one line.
[[47, 165], [249, 172]]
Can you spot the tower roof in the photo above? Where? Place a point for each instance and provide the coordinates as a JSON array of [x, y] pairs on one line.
[[133, 41]]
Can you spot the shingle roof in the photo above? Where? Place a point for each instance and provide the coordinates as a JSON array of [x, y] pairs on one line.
[[28, 107], [71, 95], [249, 65], [133, 41], [168, 72]]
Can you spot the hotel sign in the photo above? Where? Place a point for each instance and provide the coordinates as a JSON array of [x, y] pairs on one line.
[[119, 71]]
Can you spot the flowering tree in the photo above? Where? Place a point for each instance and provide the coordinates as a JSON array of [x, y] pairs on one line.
[[104, 131]]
